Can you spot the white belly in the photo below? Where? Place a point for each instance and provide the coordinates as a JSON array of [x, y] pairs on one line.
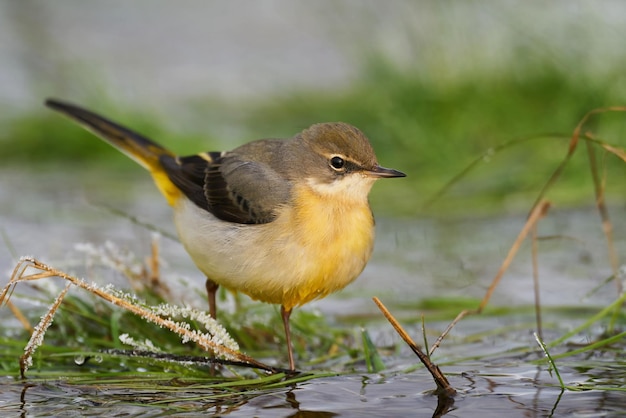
[[281, 262]]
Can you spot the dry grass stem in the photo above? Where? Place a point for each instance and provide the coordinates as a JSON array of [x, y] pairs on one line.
[[598, 184], [140, 275], [154, 275], [536, 281], [36, 338], [538, 212], [20, 316], [217, 341]]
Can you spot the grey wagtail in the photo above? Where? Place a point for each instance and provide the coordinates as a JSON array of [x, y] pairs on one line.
[[282, 221]]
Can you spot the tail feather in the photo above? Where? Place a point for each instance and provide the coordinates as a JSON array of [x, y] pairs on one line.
[[141, 149]]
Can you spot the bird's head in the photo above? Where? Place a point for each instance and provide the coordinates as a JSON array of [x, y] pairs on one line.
[[339, 160]]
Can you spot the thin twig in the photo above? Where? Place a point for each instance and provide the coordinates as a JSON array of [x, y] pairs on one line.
[[481, 158], [153, 262], [536, 281], [599, 188], [573, 144], [20, 316], [537, 213], [443, 386], [36, 338]]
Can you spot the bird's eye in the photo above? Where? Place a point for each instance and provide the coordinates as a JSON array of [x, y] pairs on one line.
[[337, 163]]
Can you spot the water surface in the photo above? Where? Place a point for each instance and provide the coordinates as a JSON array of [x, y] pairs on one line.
[[414, 260]]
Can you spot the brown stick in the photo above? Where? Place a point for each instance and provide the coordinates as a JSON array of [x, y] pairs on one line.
[[443, 386]]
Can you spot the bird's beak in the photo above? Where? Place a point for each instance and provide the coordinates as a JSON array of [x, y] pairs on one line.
[[382, 172]]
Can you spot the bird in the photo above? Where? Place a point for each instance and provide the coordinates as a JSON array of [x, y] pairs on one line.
[[284, 221]]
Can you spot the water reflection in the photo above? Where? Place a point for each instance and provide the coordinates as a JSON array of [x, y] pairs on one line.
[[483, 393], [301, 412], [404, 395], [443, 405]]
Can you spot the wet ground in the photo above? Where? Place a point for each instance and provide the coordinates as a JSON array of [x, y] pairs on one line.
[[48, 214], [236, 52], [414, 260]]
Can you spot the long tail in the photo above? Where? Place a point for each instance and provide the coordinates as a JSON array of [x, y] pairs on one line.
[[147, 153]]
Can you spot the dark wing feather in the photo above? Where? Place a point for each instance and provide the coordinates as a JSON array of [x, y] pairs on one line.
[[187, 173], [228, 187]]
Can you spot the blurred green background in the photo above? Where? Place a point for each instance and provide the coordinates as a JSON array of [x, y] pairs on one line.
[[434, 84]]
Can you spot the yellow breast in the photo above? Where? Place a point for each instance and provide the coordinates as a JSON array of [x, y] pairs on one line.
[[317, 245], [336, 236]]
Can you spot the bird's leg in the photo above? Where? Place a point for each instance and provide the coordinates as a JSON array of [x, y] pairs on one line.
[[286, 314], [211, 290]]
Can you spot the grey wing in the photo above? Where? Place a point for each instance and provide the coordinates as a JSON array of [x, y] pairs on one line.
[[229, 187], [245, 191]]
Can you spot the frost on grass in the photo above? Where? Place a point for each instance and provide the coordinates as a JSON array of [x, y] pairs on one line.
[[216, 334], [36, 338], [215, 339], [145, 345], [111, 256], [140, 274]]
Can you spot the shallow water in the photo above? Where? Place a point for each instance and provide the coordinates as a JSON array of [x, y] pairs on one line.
[[47, 215], [483, 391], [414, 260]]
